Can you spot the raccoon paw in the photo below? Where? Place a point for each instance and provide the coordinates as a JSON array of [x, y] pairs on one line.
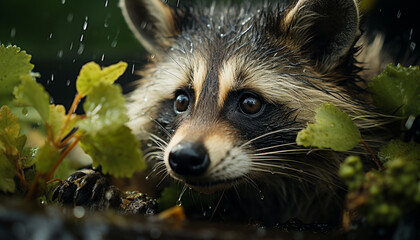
[[88, 188]]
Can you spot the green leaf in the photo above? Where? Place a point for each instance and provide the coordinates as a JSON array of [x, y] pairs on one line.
[[332, 129], [47, 156], [117, 151], [31, 93], [9, 131], [397, 149], [397, 90], [29, 156], [91, 74], [13, 64], [58, 118], [7, 174], [105, 109]]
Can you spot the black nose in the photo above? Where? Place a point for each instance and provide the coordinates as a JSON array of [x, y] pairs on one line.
[[189, 159]]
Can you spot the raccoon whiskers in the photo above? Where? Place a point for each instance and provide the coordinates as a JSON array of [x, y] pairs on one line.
[[275, 146], [285, 151], [287, 130]]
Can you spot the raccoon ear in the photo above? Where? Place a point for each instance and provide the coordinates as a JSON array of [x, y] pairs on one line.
[[154, 23], [326, 30]]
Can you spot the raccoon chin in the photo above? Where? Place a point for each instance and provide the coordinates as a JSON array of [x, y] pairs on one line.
[[208, 186]]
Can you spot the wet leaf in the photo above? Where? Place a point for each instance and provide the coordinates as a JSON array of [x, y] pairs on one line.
[[58, 119], [397, 90], [31, 93], [91, 74], [13, 64], [105, 109], [47, 156], [117, 151], [332, 129], [7, 174], [9, 131]]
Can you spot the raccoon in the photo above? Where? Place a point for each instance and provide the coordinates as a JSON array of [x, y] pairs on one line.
[[227, 89]]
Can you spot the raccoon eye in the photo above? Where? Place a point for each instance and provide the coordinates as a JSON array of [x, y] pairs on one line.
[[250, 104], [182, 101]]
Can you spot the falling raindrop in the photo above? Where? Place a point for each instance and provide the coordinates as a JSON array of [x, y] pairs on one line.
[[412, 46], [71, 46], [70, 17], [106, 3], [60, 54], [52, 77], [103, 57], [63, 1], [399, 14], [12, 32], [68, 82], [114, 43], [50, 36], [133, 69], [82, 37], [81, 49], [85, 24]]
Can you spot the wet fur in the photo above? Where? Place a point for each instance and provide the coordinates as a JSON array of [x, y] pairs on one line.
[[216, 53]]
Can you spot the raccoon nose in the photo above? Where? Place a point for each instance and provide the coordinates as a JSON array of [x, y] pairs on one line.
[[189, 159]]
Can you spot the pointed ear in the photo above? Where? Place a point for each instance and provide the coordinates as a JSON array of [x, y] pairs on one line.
[[326, 30], [154, 23]]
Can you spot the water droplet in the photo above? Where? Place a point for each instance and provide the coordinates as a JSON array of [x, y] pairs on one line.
[[179, 203], [82, 37], [262, 197], [60, 54], [12, 32], [103, 57], [81, 49], [106, 3], [79, 212], [114, 43], [412, 46], [63, 1], [147, 178], [25, 111], [52, 77], [133, 68], [68, 82], [85, 24], [71, 46], [399, 14], [50, 36], [70, 17], [52, 101]]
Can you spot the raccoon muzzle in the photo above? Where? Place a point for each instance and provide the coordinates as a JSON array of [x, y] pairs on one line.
[[189, 159]]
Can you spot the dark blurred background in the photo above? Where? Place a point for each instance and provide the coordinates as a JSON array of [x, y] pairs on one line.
[[62, 35]]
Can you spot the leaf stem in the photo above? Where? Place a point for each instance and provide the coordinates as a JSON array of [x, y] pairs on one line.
[[73, 108], [372, 154], [20, 174], [62, 156]]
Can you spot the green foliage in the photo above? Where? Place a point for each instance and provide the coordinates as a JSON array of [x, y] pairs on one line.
[[14, 63], [101, 132], [7, 174], [397, 90], [105, 110], [387, 194], [332, 129], [117, 151], [92, 74], [31, 93]]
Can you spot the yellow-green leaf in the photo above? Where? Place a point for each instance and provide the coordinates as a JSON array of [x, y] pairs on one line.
[[13, 64], [31, 93], [47, 156], [58, 118], [117, 152], [7, 174], [332, 129], [9, 131], [91, 74]]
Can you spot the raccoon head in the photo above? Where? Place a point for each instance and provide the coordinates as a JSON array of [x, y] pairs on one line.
[[231, 86]]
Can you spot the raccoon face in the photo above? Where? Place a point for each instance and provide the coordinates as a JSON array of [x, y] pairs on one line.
[[229, 87]]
